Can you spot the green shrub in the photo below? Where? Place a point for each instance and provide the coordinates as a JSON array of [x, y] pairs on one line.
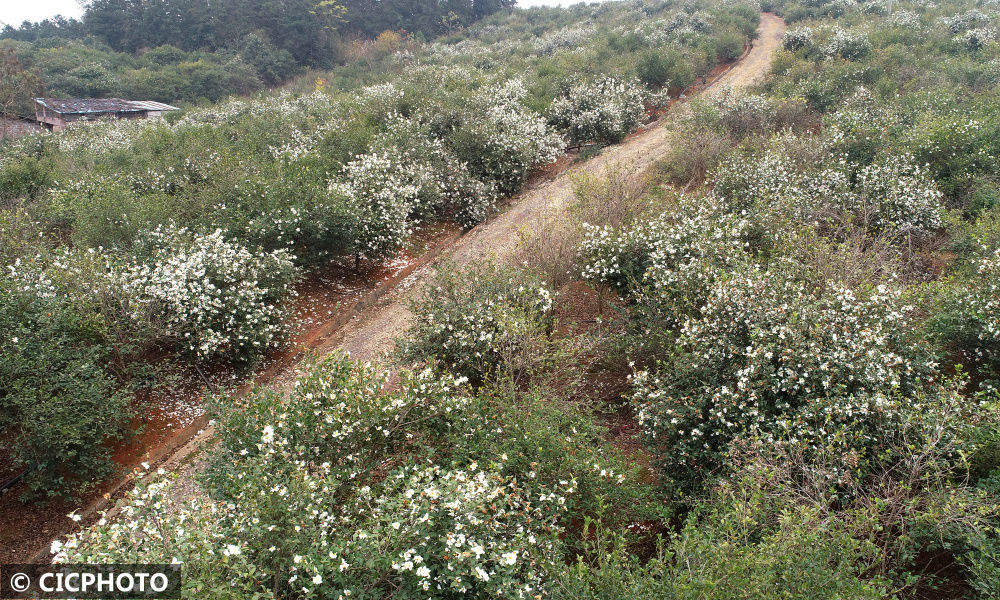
[[482, 322], [762, 348], [58, 404], [24, 178], [742, 546], [661, 69], [543, 439], [729, 46], [968, 320]]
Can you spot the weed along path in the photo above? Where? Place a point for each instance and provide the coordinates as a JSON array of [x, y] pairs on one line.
[[374, 333], [383, 315]]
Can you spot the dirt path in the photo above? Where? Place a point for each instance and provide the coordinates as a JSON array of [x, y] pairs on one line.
[[374, 333]]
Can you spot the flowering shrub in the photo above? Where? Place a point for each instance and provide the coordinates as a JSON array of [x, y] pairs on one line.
[[218, 297], [737, 113], [859, 125], [892, 195], [901, 195], [299, 509], [382, 196], [482, 322], [471, 532], [975, 39], [338, 415], [765, 346], [847, 45], [970, 317], [604, 110], [504, 138], [667, 265], [970, 19], [446, 189], [796, 39], [772, 183]]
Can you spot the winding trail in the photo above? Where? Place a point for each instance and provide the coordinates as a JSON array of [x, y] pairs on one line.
[[373, 333]]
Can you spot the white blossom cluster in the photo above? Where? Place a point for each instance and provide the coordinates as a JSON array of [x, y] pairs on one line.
[[104, 136], [976, 39], [283, 105], [848, 45], [29, 277], [473, 531], [514, 138], [604, 110], [798, 38], [381, 192], [906, 19], [300, 507], [962, 22], [446, 188], [857, 126], [978, 310], [573, 36], [668, 263], [217, 296], [764, 346], [894, 194], [900, 194], [482, 325]]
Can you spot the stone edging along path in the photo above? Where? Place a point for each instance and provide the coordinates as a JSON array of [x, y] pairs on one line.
[[368, 329]]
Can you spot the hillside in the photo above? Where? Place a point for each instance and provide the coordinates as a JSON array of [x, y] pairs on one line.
[[645, 299], [196, 51]]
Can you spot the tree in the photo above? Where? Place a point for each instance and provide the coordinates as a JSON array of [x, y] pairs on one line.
[[18, 86]]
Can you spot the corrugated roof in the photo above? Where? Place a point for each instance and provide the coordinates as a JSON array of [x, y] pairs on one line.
[[151, 105], [87, 106]]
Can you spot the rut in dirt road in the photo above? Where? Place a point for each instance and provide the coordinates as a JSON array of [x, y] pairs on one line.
[[375, 333]]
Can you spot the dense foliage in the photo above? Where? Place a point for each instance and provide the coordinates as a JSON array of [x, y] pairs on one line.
[[195, 50], [771, 374], [197, 229]]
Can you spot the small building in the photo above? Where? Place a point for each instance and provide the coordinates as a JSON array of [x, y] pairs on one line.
[[56, 113], [15, 127]]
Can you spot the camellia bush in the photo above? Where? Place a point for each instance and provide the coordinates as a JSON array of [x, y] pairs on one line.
[[301, 508], [59, 402], [503, 139], [218, 298], [767, 344], [603, 111], [485, 321], [847, 45], [899, 194], [667, 265], [894, 195], [968, 319], [797, 39]]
